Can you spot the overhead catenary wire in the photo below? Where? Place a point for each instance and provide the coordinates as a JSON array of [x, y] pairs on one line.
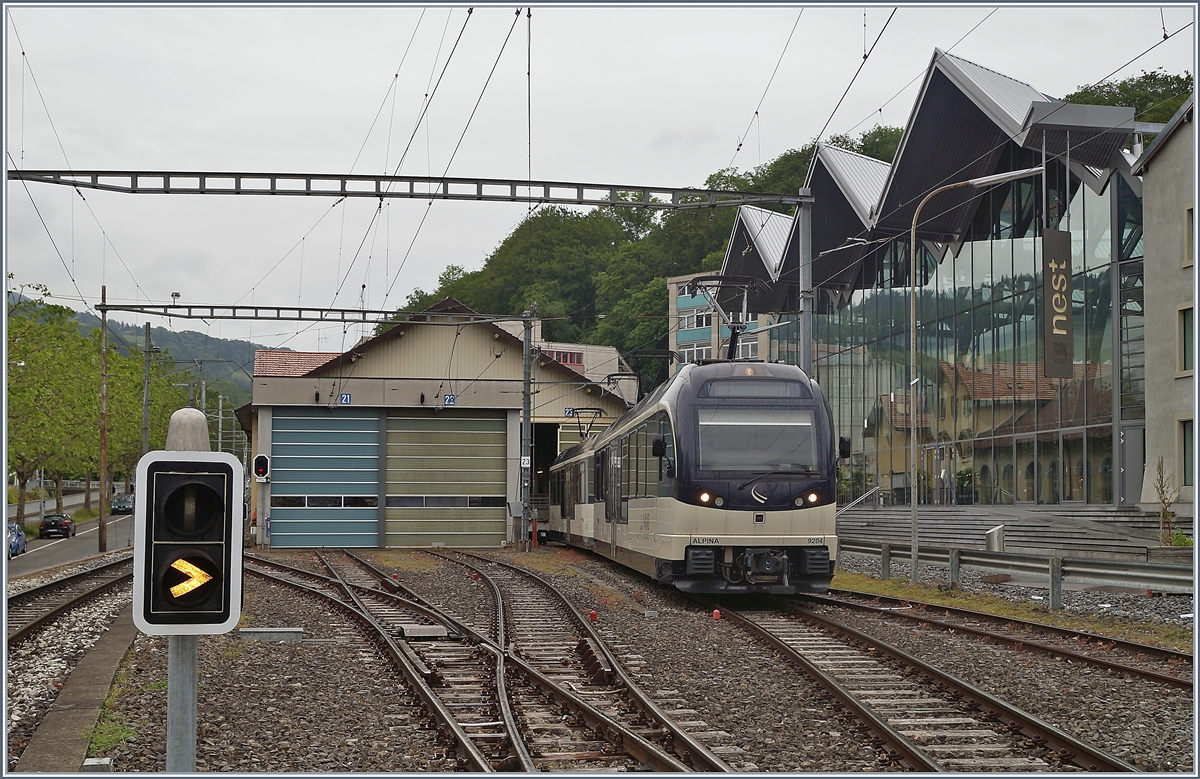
[[855, 76], [742, 138], [900, 91]]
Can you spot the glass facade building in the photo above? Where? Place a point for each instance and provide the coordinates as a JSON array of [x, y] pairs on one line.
[[991, 427]]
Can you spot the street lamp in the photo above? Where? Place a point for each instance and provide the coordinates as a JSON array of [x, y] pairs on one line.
[[976, 183]]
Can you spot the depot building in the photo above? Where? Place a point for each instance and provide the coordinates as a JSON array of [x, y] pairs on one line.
[[412, 438]]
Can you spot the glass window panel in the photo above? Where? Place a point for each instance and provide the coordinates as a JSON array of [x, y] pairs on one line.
[[1097, 249], [1099, 465], [1098, 321], [1048, 468], [756, 439], [1187, 339], [1188, 479], [1073, 465], [1025, 262], [1026, 470], [1002, 448]]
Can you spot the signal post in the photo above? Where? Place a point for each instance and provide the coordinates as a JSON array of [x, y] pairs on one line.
[[187, 561]]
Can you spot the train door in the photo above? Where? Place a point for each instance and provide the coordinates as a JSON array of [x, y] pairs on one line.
[[612, 494]]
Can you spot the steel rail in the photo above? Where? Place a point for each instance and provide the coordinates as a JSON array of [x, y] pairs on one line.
[[900, 749], [1130, 647], [700, 755], [1068, 747], [466, 750], [22, 632], [515, 741], [641, 749]]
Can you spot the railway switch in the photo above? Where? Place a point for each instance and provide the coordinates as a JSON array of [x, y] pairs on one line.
[[187, 554]]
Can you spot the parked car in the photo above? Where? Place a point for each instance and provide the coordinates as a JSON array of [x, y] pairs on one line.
[[56, 525], [121, 504], [16, 540]]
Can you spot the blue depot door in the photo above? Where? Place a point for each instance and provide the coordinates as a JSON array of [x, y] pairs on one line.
[[324, 477]]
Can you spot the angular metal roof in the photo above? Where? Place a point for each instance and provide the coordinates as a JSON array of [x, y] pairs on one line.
[[1005, 100], [757, 248], [860, 178]]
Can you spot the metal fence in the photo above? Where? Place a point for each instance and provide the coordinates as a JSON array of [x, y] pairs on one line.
[[1157, 577]]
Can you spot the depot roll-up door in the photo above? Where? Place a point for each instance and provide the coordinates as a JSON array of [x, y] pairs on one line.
[[324, 477], [446, 477]]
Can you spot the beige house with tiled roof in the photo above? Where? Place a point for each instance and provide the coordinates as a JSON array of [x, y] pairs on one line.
[[410, 438]]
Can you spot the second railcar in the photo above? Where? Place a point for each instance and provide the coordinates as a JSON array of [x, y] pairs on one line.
[[721, 480]]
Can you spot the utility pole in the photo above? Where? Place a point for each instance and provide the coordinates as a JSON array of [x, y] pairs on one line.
[[146, 397], [220, 420], [526, 432], [102, 522], [804, 327]]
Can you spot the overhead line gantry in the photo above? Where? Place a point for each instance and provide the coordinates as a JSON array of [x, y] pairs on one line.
[[345, 185]]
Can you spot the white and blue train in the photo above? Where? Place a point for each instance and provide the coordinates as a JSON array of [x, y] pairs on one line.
[[722, 480]]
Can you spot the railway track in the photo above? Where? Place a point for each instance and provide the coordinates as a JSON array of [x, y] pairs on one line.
[[1158, 664], [545, 630], [31, 609], [925, 719], [495, 710]]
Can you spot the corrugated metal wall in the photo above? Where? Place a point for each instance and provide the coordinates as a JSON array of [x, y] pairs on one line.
[[324, 477], [446, 477]]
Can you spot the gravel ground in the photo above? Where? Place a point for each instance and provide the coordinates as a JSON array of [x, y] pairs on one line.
[[40, 665], [328, 703]]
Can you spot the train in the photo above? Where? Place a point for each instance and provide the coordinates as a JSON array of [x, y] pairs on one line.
[[722, 480]]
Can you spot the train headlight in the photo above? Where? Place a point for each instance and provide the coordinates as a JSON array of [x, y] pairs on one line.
[[718, 501], [813, 497], [799, 501], [705, 497]]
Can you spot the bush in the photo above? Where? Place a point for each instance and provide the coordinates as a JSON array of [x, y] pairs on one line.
[[1180, 538], [32, 495]]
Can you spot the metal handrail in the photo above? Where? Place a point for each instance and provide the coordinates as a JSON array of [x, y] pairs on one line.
[[1160, 577], [858, 500]]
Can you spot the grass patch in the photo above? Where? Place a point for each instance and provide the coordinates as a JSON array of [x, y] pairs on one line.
[[83, 515], [155, 686], [107, 734], [406, 560], [111, 729], [557, 561], [1169, 636]]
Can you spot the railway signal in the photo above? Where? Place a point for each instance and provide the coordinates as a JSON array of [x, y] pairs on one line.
[[187, 555], [262, 467]]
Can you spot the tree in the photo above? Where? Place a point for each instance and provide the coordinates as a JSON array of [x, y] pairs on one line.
[[1154, 96], [45, 400]]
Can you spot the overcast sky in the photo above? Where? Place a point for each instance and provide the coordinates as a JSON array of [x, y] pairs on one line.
[[620, 94]]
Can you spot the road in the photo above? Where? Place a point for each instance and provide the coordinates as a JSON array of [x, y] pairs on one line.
[[49, 552]]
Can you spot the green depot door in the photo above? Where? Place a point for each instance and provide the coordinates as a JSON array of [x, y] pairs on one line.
[[324, 477], [446, 478]]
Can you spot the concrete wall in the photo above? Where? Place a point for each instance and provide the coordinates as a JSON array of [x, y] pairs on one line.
[[1169, 194]]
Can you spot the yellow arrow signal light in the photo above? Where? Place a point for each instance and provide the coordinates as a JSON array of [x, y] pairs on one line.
[[196, 578]]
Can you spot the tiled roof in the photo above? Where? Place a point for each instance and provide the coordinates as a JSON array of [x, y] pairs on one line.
[[1006, 381], [896, 408], [270, 362]]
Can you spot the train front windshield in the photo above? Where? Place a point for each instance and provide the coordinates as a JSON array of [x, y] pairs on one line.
[[757, 439]]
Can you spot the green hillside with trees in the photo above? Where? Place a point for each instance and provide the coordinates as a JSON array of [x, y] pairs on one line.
[[599, 277]]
